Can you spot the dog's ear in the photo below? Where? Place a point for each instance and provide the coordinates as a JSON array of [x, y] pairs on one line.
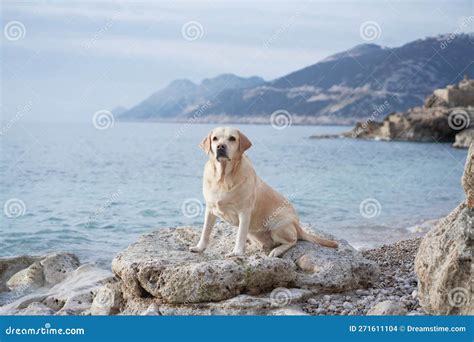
[[205, 144], [244, 142]]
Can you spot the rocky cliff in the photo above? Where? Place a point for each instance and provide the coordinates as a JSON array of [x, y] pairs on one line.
[[447, 116]]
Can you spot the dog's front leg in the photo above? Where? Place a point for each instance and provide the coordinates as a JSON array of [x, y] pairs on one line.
[[244, 223], [209, 222]]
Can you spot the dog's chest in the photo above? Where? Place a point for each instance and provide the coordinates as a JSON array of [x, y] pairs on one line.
[[224, 211]]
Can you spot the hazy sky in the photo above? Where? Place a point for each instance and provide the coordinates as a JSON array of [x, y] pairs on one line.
[[63, 61]]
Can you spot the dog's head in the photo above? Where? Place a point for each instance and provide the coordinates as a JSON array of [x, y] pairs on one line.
[[225, 143]]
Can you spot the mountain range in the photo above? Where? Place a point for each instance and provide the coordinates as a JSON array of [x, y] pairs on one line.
[[342, 88]]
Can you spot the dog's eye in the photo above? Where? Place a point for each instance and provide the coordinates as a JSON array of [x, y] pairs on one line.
[[214, 139], [231, 138]]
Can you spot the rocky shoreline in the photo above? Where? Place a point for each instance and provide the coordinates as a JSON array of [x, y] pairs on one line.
[[395, 291], [446, 116], [88, 290], [157, 275]]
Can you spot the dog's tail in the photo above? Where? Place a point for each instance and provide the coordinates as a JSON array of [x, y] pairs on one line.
[[303, 235]]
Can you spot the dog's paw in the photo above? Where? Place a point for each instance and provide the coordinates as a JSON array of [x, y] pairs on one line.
[[196, 249], [234, 254]]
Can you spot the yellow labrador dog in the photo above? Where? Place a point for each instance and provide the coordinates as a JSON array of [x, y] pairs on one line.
[[234, 193]]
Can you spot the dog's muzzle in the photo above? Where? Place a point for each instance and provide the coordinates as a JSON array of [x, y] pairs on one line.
[[221, 151]]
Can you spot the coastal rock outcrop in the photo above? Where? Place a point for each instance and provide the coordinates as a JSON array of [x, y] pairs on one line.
[[444, 260], [447, 116], [159, 265]]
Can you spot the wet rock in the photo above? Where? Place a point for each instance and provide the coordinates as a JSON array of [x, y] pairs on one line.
[[72, 296], [46, 271], [10, 266]]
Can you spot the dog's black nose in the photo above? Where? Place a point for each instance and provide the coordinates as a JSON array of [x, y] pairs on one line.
[[221, 147]]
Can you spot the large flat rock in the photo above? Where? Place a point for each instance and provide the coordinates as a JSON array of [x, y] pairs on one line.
[[160, 265]]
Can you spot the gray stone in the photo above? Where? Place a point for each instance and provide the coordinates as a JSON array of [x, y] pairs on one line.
[[289, 311], [56, 267], [108, 300], [152, 310], [443, 265], [10, 266], [160, 265], [331, 270], [72, 296], [46, 271], [444, 260], [37, 309], [387, 308], [464, 138], [468, 177]]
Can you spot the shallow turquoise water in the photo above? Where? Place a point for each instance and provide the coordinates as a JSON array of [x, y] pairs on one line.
[[92, 192]]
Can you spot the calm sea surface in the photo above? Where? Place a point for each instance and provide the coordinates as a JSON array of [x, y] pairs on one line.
[[92, 192]]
